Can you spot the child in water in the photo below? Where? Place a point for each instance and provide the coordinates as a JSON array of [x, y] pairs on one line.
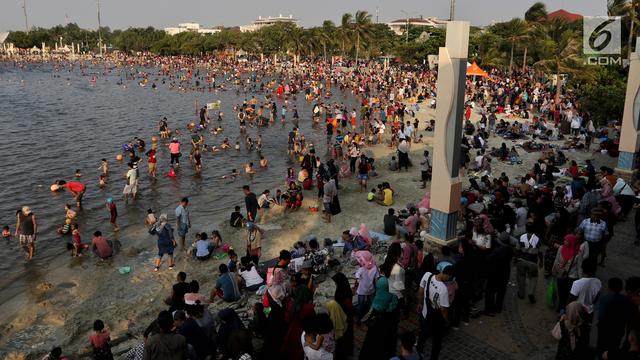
[[248, 168], [113, 213], [78, 173], [102, 180], [70, 214], [104, 167], [6, 233], [66, 228], [151, 218], [78, 246]]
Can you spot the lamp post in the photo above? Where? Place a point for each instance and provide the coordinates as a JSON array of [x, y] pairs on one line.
[[452, 10], [407, 22], [99, 26], [24, 9]]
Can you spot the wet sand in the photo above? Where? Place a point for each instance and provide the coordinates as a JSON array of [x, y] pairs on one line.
[[63, 302]]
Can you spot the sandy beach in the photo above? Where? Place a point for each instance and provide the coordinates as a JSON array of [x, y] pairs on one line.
[[65, 301]]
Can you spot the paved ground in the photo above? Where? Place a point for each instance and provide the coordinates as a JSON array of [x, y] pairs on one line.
[[522, 330]]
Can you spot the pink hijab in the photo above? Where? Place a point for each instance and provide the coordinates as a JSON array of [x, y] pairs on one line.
[[365, 259], [426, 201], [364, 232]]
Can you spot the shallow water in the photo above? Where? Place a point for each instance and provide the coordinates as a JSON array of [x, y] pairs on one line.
[[53, 122]]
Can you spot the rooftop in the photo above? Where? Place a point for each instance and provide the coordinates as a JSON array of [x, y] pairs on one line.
[[564, 14]]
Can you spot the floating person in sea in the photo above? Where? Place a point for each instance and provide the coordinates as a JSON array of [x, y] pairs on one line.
[[233, 175]]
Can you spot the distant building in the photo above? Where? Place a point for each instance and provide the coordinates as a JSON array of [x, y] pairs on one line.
[[400, 26], [564, 14], [268, 21], [190, 27]]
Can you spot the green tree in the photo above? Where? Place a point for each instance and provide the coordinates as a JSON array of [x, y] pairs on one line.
[[362, 29], [345, 31], [536, 13], [561, 46], [630, 11], [517, 31]]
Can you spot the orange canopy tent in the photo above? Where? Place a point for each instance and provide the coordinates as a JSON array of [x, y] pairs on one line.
[[474, 70]]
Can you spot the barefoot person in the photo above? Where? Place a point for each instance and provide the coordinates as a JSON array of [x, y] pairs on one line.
[[183, 223], [76, 188], [26, 230], [166, 241]]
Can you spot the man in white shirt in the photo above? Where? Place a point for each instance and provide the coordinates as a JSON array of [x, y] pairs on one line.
[[529, 256], [396, 282], [586, 290], [132, 183], [521, 219], [433, 305]]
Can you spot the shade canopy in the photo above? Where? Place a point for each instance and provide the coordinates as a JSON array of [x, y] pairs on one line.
[[474, 70]]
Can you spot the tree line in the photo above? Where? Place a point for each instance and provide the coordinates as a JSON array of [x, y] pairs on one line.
[[533, 42]]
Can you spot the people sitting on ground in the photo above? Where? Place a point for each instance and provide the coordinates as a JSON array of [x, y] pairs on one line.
[[317, 256], [393, 164], [202, 247], [294, 197], [387, 195], [236, 218], [371, 195], [102, 247], [353, 241], [226, 286], [250, 278]]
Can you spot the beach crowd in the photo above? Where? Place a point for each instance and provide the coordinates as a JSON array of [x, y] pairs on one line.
[[555, 221]]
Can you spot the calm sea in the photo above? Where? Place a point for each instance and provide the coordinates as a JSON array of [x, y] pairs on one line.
[[53, 122]]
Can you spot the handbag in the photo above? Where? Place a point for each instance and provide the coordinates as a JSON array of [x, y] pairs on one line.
[[370, 318], [556, 332]]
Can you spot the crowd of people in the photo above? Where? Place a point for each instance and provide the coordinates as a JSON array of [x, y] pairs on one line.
[[556, 219]]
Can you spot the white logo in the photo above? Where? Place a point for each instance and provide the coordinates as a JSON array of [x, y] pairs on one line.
[[602, 35]]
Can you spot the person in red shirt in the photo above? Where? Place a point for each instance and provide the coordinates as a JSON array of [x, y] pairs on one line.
[[573, 169], [113, 213], [101, 246], [151, 160], [76, 188]]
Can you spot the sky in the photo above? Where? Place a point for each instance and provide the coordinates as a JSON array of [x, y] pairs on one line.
[[121, 14]]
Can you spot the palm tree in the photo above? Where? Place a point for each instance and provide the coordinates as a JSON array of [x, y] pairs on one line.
[[326, 36], [561, 46], [345, 30], [536, 14], [630, 10], [362, 29], [518, 32]]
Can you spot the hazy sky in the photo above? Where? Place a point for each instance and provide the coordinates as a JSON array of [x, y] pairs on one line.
[[120, 14]]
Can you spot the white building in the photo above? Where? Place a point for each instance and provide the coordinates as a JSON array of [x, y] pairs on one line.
[[400, 26], [190, 27], [268, 21]]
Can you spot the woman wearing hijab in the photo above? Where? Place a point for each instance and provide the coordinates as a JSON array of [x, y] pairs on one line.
[[377, 342], [567, 266], [276, 328], [166, 241], [574, 327], [341, 312], [230, 322], [297, 311]]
